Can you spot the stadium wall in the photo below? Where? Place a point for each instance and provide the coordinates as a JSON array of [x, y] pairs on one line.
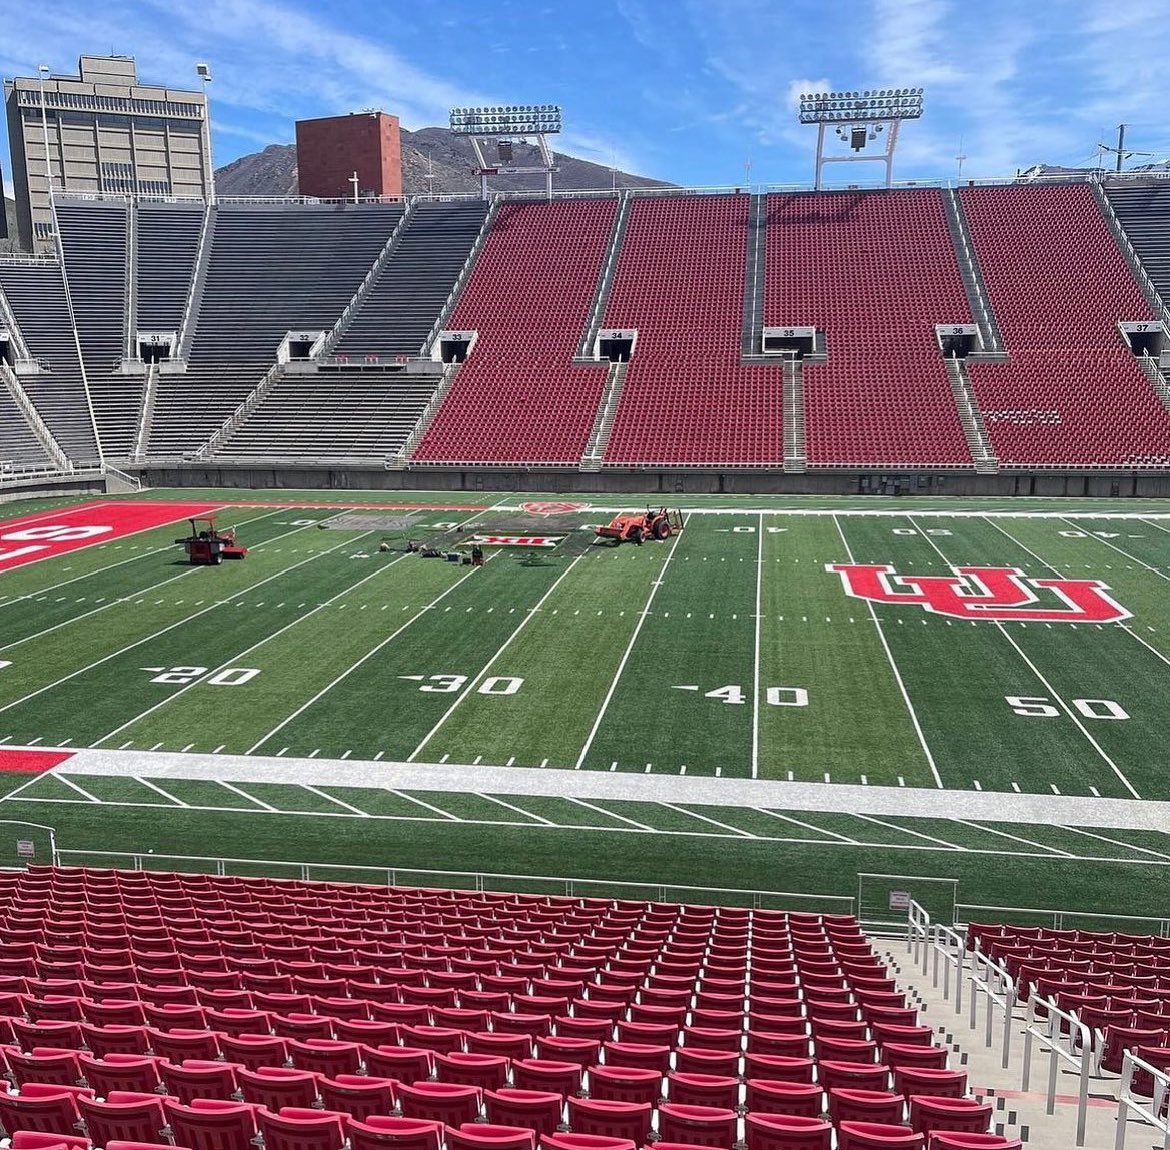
[[1074, 485]]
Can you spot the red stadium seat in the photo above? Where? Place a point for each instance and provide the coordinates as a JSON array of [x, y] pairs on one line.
[[357, 1095], [294, 1128], [275, 1087], [44, 1113], [625, 1084], [865, 1106], [443, 1102], [539, 1110], [195, 1079], [878, 1136], [787, 1132], [541, 1074], [124, 1115], [577, 1141], [697, 1125], [384, 1132], [626, 1120], [964, 1115], [703, 1090], [481, 1136], [487, 1071], [948, 1140], [29, 1140]]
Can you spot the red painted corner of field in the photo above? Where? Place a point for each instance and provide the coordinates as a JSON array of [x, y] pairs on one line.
[[31, 762]]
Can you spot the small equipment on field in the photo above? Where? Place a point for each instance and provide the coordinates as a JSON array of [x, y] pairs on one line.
[[638, 526], [206, 546]]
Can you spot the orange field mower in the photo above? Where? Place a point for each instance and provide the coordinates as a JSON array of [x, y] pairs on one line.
[[208, 547], [639, 526]]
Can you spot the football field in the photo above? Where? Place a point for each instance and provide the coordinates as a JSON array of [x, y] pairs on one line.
[[916, 687]]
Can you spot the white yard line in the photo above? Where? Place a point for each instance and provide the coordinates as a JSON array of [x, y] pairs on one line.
[[1015, 838], [251, 798], [80, 790], [629, 647], [714, 822], [1056, 571], [518, 810], [894, 667], [368, 655], [1121, 551], [333, 799], [808, 826], [122, 600], [609, 814], [429, 806], [479, 678], [165, 794], [232, 660], [1048, 686], [1117, 842], [756, 663], [165, 630], [110, 566], [360, 662], [908, 831]]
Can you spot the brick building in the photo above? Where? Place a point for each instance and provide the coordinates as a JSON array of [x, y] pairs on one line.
[[332, 148]]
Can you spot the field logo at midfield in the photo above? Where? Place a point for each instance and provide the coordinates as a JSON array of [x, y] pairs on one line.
[[998, 594], [553, 508]]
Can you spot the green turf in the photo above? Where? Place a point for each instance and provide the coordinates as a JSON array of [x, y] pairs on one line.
[[618, 660]]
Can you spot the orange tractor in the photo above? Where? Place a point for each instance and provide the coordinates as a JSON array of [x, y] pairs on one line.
[[207, 547], [639, 526]]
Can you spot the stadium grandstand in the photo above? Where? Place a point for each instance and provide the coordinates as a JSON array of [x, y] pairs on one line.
[[551, 843]]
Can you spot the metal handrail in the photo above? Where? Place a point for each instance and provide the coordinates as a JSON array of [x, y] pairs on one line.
[[1051, 1037], [194, 285], [389, 876], [1153, 1111], [1055, 918]]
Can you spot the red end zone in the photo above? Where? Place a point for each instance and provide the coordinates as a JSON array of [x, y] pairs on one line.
[[32, 762], [35, 537]]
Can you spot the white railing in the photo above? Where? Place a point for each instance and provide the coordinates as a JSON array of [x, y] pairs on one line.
[[131, 293], [97, 439], [359, 296], [24, 261], [478, 880], [1153, 298], [461, 279], [19, 347], [985, 978], [1057, 1032], [234, 420], [1151, 1110], [990, 326], [593, 324], [131, 481], [195, 285], [41, 429]]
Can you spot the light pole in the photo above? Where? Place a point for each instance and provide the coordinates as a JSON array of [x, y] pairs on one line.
[[42, 72], [203, 71]]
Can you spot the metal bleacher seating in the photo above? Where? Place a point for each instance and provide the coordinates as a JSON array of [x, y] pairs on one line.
[[351, 414], [687, 399], [519, 399], [327, 1015], [1143, 210], [402, 305], [19, 446], [168, 240], [876, 271], [271, 269], [94, 240], [1072, 394], [35, 291]]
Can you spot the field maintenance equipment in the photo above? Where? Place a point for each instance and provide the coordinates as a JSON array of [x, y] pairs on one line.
[[207, 546], [638, 526]]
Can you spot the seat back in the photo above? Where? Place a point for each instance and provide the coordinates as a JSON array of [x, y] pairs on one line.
[[276, 1086], [787, 1132], [878, 1136], [444, 1102], [54, 1113], [139, 1121], [359, 1096], [480, 1136], [296, 1128], [962, 1114], [383, 1132], [226, 1127], [697, 1125], [627, 1120], [538, 1110]]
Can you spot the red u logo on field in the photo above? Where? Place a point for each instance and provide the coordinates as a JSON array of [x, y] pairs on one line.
[[998, 594]]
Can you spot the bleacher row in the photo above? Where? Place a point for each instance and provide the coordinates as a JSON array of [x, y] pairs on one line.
[[1118, 985], [204, 1012], [874, 270]]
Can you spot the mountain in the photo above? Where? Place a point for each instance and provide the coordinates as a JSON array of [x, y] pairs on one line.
[[273, 172]]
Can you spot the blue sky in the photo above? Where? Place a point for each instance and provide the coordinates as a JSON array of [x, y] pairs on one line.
[[685, 90]]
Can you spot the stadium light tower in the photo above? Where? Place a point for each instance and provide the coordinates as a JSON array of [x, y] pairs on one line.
[[860, 119], [505, 125], [203, 71]]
